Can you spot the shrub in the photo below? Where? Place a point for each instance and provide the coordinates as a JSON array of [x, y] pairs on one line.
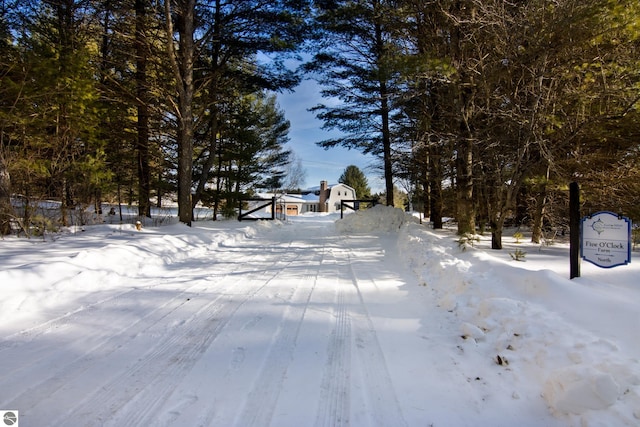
[[518, 236], [518, 255]]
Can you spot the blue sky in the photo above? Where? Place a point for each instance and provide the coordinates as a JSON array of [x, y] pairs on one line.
[[305, 131]]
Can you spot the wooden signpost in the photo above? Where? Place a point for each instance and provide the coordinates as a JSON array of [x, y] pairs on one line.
[[574, 229]]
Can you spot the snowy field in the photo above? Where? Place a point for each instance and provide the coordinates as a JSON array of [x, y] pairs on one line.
[[374, 320]]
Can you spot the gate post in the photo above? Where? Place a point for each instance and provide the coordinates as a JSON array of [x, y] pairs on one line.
[[273, 207]]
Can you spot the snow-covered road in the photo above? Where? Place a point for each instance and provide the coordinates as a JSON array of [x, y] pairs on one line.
[[377, 321], [279, 329]]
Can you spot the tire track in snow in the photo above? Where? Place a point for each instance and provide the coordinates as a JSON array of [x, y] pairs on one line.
[[60, 324], [70, 378], [383, 407], [261, 400], [109, 352], [158, 371], [268, 384], [27, 350], [85, 309], [138, 394], [36, 331], [355, 357], [294, 287], [44, 349], [334, 405]]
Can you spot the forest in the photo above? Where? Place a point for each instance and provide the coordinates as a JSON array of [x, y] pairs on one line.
[[482, 110]]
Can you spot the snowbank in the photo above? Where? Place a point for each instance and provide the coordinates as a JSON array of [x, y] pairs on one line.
[[550, 333], [543, 327], [376, 219], [115, 253], [580, 388]]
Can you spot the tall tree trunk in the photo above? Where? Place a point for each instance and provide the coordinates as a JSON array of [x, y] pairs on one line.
[[492, 197], [182, 62], [144, 171], [463, 101], [538, 214], [218, 178], [501, 201], [539, 209], [427, 123], [435, 185], [386, 142], [6, 209], [210, 162], [384, 115], [215, 126], [98, 201], [159, 191], [185, 167], [496, 233], [465, 210], [422, 163]]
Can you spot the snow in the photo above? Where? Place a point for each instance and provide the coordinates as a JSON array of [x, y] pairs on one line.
[[374, 319]]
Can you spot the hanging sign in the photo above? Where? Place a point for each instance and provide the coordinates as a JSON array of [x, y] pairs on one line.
[[606, 239]]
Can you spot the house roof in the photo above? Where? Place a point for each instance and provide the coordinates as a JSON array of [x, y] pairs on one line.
[[292, 198], [316, 189]]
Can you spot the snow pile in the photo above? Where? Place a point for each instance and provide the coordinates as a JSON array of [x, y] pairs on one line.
[[577, 389], [532, 323], [378, 218], [115, 253]]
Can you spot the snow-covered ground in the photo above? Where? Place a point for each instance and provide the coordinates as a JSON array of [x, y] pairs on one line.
[[374, 320]]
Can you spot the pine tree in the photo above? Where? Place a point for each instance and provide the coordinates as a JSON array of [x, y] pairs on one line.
[[220, 67], [62, 158], [9, 93], [354, 63], [356, 179]]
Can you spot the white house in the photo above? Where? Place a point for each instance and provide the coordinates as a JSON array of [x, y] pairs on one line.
[[325, 198], [329, 196]]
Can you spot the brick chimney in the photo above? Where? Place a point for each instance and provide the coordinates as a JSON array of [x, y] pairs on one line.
[[324, 193]]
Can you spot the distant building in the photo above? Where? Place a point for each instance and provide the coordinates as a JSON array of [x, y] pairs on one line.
[[325, 198]]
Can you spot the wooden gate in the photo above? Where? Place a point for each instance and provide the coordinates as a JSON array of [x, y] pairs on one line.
[[266, 202], [355, 205]]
